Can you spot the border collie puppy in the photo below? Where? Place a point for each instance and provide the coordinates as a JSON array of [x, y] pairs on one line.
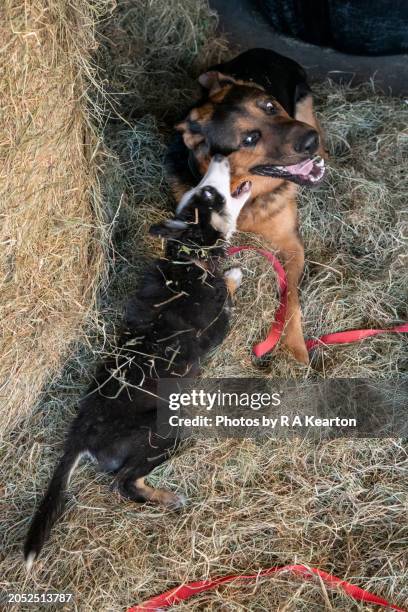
[[179, 314]]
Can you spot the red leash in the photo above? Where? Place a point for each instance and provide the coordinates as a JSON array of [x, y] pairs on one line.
[[185, 591], [275, 333]]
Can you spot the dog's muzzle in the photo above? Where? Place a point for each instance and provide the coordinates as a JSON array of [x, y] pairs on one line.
[[309, 172]]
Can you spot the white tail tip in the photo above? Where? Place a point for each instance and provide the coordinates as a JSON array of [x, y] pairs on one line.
[[29, 561]]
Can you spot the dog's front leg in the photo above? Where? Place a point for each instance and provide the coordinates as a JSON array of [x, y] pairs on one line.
[[292, 254], [281, 231]]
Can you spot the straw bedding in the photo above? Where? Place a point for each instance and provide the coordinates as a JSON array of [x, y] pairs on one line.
[[340, 505]]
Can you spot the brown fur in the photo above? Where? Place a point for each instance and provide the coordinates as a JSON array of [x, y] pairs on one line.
[[159, 496]]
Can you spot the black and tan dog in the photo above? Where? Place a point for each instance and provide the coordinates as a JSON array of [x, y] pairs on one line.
[[258, 110], [179, 314]]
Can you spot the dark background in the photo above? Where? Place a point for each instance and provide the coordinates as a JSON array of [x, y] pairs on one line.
[[347, 40]]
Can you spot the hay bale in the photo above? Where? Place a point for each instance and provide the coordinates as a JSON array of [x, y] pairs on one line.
[[51, 257]]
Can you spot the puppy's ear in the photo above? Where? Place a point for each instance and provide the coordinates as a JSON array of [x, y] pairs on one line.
[[171, 228], [214, 81]]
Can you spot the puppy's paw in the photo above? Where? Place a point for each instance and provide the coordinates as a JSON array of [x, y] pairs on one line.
[[179, 502], [172, 501], [233, 279]]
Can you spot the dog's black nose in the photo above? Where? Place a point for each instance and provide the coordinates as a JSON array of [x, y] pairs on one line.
[[308, 143]]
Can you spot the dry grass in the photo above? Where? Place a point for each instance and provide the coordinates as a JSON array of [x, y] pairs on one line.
[[51, 215], [340, 505]]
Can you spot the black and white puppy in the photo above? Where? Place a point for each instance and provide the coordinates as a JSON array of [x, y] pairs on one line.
[[178, 315]]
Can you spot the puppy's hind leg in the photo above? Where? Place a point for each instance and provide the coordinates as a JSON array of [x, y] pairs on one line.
[[233, 279], [159, 496], [130, 483]]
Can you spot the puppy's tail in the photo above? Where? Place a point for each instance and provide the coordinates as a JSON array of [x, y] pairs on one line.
[[50, 507]]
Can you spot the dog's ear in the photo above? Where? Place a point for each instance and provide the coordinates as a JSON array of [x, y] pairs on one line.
[[193, 127], [192, 138], [214, 81], [171, 228]]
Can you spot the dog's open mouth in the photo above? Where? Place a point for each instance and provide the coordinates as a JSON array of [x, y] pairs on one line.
[[308, 172], [242, 188]]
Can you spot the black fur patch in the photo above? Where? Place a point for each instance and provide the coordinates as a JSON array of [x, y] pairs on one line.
[[179, 314], [281, 77]]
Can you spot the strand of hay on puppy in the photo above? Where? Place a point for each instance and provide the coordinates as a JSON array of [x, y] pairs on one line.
[[51, 221]]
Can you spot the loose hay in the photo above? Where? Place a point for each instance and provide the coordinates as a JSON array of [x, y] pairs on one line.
[[50, 211], [341, 505]]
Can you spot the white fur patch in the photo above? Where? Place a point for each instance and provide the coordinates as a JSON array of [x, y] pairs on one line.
[[29, 561], [235, 274], [175, 224], [218, 176], [181, 501], [221, 224], [184, 200], [75, 465]]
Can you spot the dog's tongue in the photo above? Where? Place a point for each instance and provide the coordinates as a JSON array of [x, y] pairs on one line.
[[302, 169]]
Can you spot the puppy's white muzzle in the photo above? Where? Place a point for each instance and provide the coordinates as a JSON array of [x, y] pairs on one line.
[[218, 176]]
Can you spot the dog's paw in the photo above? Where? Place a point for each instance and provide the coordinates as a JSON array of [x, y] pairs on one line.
[[297, 349], [174, 501], [300, 354], [293, 340], [234, 276]]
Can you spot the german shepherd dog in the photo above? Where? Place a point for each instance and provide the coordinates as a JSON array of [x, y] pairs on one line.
[[179, 314], [257, 109]]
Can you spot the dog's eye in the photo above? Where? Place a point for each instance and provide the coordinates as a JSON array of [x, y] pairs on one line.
[[251, 138], [270, 108]]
